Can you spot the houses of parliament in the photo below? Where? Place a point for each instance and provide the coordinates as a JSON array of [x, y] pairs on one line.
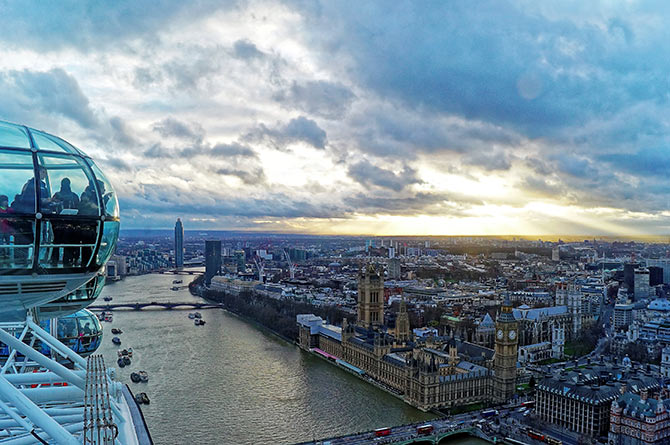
[[431, 373]]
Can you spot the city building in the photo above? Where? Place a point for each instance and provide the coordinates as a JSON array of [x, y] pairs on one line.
[[580, 399], [663, 263], [555, 254], [623, 315], [557, 342], [629, 275], [212, 260], [570, 295], [485, 332], [656, 331], [536, 325], [638, 419], [394, 271], [178, 244], [665, 362], [655, 275], [641, 288], [535, 353]]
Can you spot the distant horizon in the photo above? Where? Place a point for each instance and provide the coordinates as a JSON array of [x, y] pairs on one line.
[[508, 237]]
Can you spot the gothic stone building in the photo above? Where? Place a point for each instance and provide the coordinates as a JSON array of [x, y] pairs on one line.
[[428, 376]]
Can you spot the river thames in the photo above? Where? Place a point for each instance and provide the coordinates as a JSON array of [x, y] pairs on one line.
[[229, 382]]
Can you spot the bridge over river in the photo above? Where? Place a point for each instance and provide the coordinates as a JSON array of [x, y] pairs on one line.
[[155, 305], [445, 432]]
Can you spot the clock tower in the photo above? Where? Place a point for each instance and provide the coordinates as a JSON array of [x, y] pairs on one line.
[[505, 358]]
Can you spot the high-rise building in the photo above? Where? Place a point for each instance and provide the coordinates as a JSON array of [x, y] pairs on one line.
[[370, 297], [629, 275], [212, 260], [505, 358], [179, 244], [663, 263], [641, 284], [240, 261], [655, 275], [394, 271], [556, 254]]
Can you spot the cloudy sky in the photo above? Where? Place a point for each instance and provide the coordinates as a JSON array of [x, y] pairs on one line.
[[388, 117]]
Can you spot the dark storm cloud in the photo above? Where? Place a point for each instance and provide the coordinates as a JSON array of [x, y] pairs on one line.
[[300, 129], [412, 204], [144, 76], [191, 142], [172, 200], [50, 93], [245, 49], [121, 132], [389, 131], [535, 76], [650, 161], [171, 127], [321, 98], [232, 150], [489, 160], [116, 163], [255, 177], [47, 26], [369, 174]]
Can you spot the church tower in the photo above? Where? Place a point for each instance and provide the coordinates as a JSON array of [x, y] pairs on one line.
[[505, 359], [402, 323], [370, 298]]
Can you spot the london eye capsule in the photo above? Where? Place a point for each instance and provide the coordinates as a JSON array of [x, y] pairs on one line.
[[59, 221]]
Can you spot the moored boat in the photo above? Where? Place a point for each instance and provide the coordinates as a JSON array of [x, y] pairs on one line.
[[142, 398], [116, 340]]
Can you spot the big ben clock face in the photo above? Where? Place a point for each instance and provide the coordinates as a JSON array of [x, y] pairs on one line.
[[512, 335], [500, 334]]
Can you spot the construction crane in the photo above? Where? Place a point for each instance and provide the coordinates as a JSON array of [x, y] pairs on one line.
[[260, 266], [291, 266]]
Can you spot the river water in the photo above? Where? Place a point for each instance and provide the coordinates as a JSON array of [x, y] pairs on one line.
[[229, 382]]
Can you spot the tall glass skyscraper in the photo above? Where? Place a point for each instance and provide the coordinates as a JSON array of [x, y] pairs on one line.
[[179, 244], [212, 260]]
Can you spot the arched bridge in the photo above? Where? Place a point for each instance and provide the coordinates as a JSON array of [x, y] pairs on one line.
[[444, 438], [155, 304], [407, 435]]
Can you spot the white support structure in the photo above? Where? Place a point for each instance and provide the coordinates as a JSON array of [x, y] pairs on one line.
[[260, 266], [291, 266], [62, 398]]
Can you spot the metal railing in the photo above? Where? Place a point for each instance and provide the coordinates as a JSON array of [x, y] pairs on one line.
[[99, 427]]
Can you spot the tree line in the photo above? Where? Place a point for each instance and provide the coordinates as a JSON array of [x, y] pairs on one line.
[[276, 315]]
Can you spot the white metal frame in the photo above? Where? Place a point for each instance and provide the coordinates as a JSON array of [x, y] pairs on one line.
[[42, 401]]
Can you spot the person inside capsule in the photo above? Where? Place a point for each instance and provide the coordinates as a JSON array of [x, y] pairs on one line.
[[64, 232], [24, 202]]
